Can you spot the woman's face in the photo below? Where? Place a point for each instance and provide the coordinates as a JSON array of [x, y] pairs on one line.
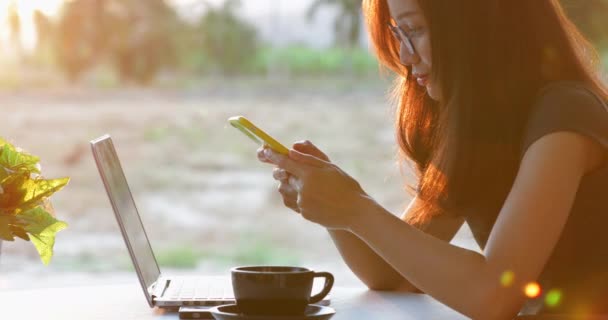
[[409, 17]]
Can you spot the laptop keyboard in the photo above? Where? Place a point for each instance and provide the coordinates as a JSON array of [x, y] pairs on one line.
[[198, 289]]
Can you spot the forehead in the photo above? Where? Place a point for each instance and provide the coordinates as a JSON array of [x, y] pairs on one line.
[[404, 8]]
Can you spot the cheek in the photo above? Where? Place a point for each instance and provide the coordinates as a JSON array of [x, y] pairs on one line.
[[425, 53]]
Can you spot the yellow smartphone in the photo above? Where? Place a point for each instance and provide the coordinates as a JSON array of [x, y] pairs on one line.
[[256, 134]]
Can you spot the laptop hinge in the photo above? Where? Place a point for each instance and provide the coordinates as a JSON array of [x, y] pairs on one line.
[[152, 291], [159, 287]]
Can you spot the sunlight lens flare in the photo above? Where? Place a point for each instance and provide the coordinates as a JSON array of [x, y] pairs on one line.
[[532, 290], [506, 279], [553, 298]]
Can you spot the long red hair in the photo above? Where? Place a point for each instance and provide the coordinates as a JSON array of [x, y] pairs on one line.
[[490, 57]]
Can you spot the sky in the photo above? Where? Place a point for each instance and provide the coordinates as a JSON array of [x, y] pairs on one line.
[[279, 22]]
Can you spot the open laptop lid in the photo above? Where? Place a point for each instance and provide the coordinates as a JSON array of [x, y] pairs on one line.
[[131, 227]]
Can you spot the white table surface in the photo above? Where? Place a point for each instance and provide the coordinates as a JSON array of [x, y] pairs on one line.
[[126, 301]]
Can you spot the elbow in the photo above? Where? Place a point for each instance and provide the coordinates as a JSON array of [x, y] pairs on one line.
[[493, 315], [496, 304], [384, 285], [381, 286]]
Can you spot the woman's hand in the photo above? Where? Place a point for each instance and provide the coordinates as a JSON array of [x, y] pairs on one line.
[[286, 189], [323, 193]]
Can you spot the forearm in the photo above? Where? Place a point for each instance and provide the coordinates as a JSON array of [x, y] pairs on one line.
[[367, 265], [457, 277]]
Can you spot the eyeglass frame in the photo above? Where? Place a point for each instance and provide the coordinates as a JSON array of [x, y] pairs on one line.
[[400, 34]]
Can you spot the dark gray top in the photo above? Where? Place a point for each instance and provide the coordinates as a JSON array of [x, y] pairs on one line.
[[578, 267]]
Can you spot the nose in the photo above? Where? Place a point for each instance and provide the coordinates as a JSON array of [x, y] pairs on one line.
[[406, 57]]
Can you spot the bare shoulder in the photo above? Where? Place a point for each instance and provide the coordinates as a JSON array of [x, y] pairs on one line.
[[579, 150]]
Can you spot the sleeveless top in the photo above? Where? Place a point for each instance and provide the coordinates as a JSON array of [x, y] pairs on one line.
[[578, 266]]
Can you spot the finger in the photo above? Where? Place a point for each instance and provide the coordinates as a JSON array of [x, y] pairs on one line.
[[307, 159], [289, 196], [284, 162], [305, 146], [295, 183], [280, 174], [261, 156], [287, 190], [291, 205]]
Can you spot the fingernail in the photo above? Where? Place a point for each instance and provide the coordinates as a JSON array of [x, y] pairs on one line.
[[269, 154]]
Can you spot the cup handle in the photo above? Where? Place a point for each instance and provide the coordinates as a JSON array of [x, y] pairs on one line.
[[329, 283]]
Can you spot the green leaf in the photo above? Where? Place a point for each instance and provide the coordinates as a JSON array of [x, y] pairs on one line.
[[39, 189], [3, 142], [13, 192], [14, 160], [21, 193], [42, 228], [5, 231]]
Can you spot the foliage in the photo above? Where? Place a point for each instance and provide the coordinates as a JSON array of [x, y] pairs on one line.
[[299, 60], [25, 210], [129, 34], [347, 25], [179, 257], [226, 40]]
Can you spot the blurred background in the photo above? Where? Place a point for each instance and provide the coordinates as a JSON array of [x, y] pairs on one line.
[[162, 77]]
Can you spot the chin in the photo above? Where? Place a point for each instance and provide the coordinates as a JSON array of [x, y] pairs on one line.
[[432, 93]]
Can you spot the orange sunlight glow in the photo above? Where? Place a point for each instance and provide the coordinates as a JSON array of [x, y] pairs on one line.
[[25, 9], [532, 290]]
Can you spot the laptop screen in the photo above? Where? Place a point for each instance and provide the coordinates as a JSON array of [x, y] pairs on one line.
[[126, 213]]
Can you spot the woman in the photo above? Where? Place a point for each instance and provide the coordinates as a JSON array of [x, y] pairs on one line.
[[502, 113]]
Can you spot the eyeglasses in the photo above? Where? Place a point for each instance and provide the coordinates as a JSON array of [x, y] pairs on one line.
[[402, 37]]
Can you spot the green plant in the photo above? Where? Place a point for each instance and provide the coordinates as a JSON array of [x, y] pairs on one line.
[[300, 60], [181, 257], [252, 250], [25, 209], [347, 26], [227, 41]]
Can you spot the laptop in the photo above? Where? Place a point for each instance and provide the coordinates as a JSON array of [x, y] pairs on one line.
[[160, 290]]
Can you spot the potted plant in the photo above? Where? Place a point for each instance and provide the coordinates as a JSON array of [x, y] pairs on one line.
[[25, 209]]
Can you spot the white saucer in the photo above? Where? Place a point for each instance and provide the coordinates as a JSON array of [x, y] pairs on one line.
[[232, 312]]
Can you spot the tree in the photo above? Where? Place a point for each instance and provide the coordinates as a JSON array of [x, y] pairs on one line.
[[135, 36], [14, 24], [229, 42], [347, 25], [78, 36], [44, 31], [140, 38]]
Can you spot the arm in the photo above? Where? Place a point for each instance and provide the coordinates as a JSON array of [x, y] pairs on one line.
[[371, 268], [540, 200], [367, 265]]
